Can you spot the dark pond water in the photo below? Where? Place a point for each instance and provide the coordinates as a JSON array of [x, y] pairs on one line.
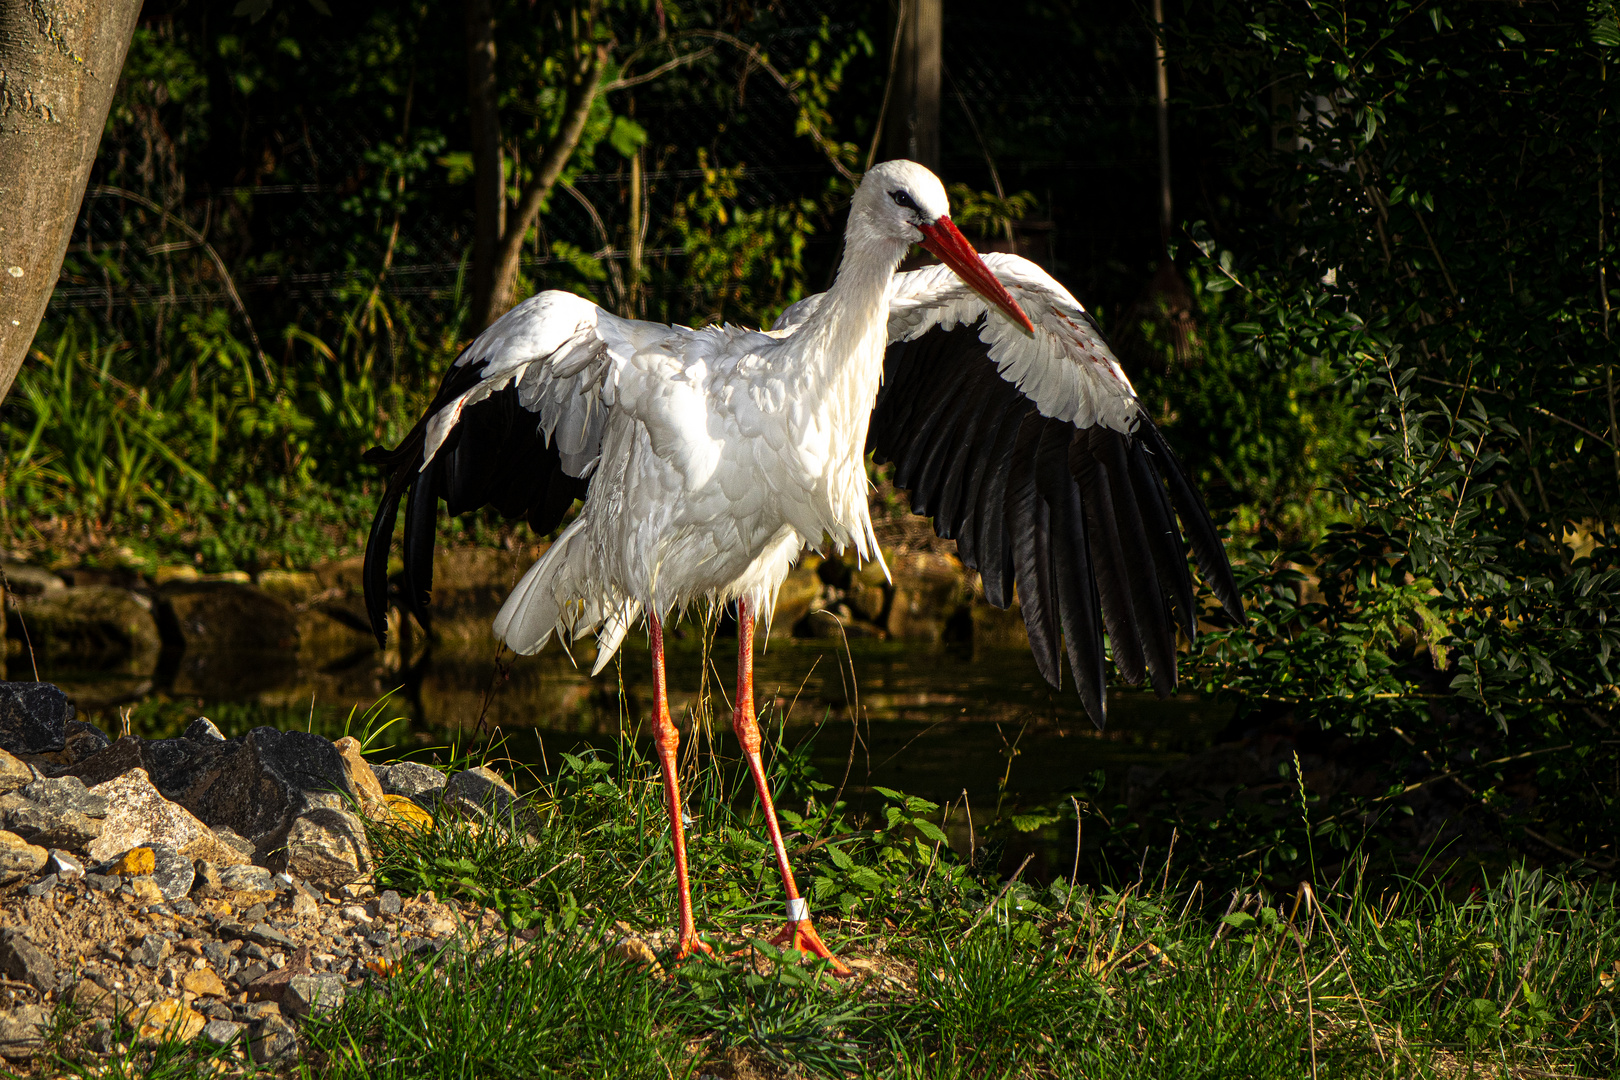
[[929, 720]]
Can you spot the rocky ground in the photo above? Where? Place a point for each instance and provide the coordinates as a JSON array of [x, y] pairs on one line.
[[201, 887]]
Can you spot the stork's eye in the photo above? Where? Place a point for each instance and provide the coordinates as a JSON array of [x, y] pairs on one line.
[[902, 199]]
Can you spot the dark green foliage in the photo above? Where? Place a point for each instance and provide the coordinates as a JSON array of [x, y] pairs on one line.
[[1270, 442], [1422, 215]]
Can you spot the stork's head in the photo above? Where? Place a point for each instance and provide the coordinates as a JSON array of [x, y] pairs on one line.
[[903, 203]]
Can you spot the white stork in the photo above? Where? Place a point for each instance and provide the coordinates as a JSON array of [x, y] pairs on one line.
[[709, 459]]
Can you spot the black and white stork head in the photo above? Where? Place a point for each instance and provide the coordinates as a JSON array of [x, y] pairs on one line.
[[900, 203]]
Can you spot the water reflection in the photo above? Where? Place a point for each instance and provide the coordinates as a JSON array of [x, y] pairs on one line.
[[926, 719]]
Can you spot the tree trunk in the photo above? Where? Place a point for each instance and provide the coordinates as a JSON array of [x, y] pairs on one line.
[[576, 111], [911, 129], [489, 179], [59, 65]]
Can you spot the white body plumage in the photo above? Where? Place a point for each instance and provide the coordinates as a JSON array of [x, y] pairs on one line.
[[720, 453]]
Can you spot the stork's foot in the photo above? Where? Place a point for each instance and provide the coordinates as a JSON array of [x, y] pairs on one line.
[[692, 944], [802, 937]]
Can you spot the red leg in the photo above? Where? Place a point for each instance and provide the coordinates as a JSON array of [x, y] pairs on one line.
[[668, 739], [799, 933]]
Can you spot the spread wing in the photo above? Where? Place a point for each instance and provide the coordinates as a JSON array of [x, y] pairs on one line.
[[517, 424], [1033, 454]]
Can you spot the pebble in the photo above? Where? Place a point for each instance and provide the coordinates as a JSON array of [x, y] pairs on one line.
[[354, 913], [220, 1032], [134, 862], [440, 927], [245, 877], [22, 962], [250, 973], [42, 887], [64, 866], [275, 1040], [204, 982], [143, 890], [389, 903]]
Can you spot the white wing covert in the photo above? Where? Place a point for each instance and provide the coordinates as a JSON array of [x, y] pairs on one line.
[[517, 424]]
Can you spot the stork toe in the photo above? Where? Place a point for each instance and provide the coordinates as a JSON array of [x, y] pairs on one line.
[[801, 936]]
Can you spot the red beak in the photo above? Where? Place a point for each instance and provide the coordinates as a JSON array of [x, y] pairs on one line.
[[946, 243]]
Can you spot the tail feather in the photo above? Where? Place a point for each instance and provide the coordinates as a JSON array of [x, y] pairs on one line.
[[557, 597], [613, 632]]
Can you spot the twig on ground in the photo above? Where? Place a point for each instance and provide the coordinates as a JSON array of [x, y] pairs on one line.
[[999, 896]]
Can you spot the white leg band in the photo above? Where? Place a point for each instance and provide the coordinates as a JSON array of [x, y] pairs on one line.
[[798, 909]]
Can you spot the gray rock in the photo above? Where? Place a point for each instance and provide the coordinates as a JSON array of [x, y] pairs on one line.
[[389, 903], [329, 848], [245, 877], [225, 615], [66, 793], [173, 873], [33, 717], [274, 1039], [254, 785], [22, 1031], [13, 773], [234, 840], [95, 624], [18, 858], [152, 951], [64, 866], [316, 994], [81, 740], [24, 580], [109, 763], [409, 778], [206, 884], [100, 1040], [22, 962], [103, 882], [220, 1032], [217, 954], [251, 972], [203, 729], [50, 827], [269, 936], [481, 794], [139, 816], [43, 887]]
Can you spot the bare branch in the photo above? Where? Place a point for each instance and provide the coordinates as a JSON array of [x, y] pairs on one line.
[[625, 82]]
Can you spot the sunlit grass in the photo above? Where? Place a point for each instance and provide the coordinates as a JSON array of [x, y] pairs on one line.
[[960, 975]]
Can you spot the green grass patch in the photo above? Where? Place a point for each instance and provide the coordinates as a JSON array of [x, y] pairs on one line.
[[960, 973]]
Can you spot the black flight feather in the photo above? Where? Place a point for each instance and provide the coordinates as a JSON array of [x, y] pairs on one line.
[[1107, 560], [1153, 620], [495, 456], [1206, 542], [1169, 552], [1076, 589], [1028, 548]]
